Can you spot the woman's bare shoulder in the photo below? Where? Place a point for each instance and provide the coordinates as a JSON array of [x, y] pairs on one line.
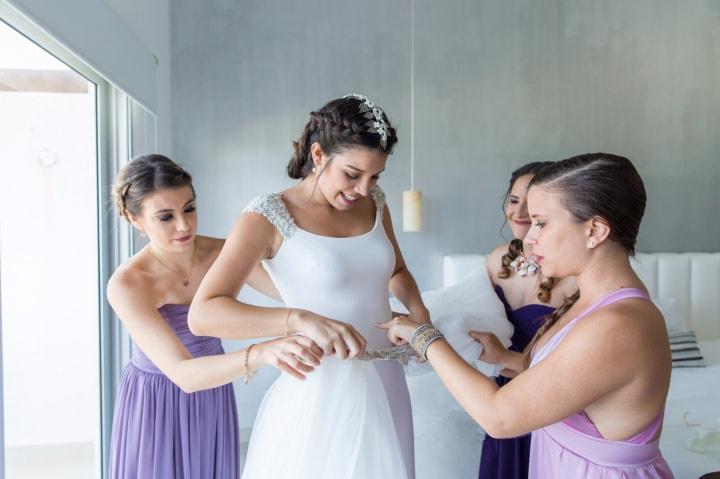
[[132, 278], [631, 321]]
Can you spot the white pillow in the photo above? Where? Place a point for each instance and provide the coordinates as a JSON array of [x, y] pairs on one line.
[[672, 311]]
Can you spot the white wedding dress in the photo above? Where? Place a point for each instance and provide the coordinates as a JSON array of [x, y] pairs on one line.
[[348, 419]]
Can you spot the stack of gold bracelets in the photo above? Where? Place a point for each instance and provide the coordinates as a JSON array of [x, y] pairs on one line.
[[422, 337]]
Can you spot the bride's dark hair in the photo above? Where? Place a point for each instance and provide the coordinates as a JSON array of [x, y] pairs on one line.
[[337, 125]]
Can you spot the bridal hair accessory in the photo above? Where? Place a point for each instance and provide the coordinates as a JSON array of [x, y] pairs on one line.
[[525, 266], [422, 337], [374, 114]]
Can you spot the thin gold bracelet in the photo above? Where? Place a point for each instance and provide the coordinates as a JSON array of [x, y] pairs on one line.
[[287, 322], [248, 375]]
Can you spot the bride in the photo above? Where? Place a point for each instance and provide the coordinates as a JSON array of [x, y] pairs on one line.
[[329, 247]]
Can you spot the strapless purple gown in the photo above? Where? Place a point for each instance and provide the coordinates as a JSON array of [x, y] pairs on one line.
[[509, 458], [161, 432]]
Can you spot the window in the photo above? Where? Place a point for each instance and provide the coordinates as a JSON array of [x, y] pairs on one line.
[[64, 131]]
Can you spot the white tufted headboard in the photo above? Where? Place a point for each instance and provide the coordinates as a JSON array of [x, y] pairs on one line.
[[692, 278]]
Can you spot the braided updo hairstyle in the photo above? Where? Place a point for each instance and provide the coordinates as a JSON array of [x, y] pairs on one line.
[[596, 185], [515, 248], [143, 175], [339, 124]]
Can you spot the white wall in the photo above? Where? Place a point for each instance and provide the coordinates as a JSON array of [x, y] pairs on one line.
[[498, 84]]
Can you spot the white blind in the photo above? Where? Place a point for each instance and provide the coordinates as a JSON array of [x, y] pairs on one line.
[[93, 32]]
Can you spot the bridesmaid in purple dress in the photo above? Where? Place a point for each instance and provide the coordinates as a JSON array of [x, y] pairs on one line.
[[595, 389], [175, 413], [528, 298]]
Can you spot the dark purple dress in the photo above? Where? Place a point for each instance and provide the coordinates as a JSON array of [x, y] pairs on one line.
[[161, 432], [509, 458]]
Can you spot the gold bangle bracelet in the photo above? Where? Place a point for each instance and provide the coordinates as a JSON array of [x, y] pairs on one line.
[[423, 337], [423, 328], [246, 364], [287, 322]]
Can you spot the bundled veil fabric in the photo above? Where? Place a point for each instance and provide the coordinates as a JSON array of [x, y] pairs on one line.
[[456, 310]]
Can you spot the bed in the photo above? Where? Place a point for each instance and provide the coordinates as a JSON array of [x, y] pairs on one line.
[[687, 285]]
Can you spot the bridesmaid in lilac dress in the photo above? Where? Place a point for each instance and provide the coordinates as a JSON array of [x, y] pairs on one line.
[[175, 414], [528, 301], [595, 390]]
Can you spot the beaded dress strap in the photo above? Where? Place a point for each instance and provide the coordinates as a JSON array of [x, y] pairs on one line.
[[378, 196], [271, 206]]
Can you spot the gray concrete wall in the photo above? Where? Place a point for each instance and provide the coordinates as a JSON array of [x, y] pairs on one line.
[[498, 83]]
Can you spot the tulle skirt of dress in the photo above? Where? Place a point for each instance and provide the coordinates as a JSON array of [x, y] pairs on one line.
[[337, 423]]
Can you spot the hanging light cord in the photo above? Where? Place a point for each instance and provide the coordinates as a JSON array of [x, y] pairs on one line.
[[412, 95]]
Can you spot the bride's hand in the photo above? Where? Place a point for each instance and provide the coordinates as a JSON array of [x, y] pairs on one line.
[[333, 337], [493, 351], [399, 329], [295, 355]]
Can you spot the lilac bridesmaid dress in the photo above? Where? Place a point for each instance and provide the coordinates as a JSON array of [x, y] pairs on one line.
[[509, 458], [159, 431], [574, 447]]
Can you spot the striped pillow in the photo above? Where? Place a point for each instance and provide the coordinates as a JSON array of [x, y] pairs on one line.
[[685, 350]]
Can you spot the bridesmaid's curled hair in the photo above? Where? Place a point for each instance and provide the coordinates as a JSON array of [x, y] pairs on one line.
[[515, 248]]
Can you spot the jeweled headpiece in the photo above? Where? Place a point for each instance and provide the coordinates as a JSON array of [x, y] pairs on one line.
[[374, 114]]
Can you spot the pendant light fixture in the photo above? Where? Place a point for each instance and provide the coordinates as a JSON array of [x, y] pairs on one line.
[[412, 200]]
